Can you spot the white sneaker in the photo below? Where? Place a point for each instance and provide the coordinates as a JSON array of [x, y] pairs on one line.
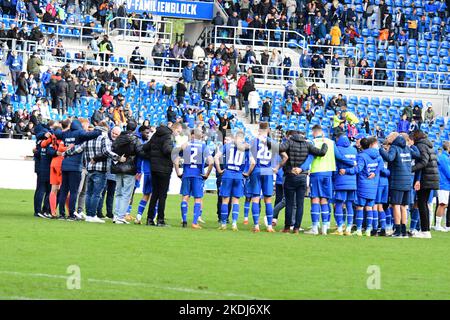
[[94, 219], [422, 235], [324, 230], [121, 221], [413, 232], [201, 220], [440, 228], [368, 233], [448, 228], [79, 215], [313, 231]]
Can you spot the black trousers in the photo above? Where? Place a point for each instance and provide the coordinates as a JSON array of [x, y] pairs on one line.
[[160, 185], [41, 196], [422, 197]]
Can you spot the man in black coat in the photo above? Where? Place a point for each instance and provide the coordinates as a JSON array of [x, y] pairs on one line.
[[160, 151]]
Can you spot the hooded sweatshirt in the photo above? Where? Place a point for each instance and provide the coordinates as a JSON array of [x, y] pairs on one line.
[[76, 135], [348, 180], [368, 162], [399, 164]]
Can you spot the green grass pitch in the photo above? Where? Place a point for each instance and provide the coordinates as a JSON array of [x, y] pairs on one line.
[[139, 262]]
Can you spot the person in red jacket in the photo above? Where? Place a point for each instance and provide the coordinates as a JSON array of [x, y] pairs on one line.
[[107, 99], [221, 72]]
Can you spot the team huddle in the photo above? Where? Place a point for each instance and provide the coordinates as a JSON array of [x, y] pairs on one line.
[[369, 188]]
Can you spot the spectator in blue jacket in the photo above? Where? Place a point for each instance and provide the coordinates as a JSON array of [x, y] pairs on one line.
[[345, 184], [431, 8], [72, 166], [367, 183], [398, 156], [188, 76], [15, 63], [403, 125], [444, 185], [305, 63]]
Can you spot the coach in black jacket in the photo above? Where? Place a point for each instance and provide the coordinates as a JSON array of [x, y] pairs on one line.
[[160, 149], [295, 152]]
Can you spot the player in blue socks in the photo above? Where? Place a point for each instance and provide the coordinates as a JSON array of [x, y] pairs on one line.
[[368, 177], [195, 154], [234, 157], [382, 198], [143, 168], [345, 184], [264, 151]]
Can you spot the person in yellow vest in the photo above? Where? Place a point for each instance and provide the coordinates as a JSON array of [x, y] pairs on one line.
[[321, 182], [350, 117]]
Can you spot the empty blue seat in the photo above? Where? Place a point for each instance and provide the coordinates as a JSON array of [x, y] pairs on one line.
[[432, 67], [424, 59], [392, 57], [392, 49], [414, 59], [411, 66], [422, 51], [412, 50], [386, 102], [434, 44], [401, 50], [443, 52], [412, 43], [435, 60], [443, 68], [432, 52], [422, 67]]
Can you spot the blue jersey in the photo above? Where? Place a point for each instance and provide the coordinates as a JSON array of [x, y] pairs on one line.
[[194, 157], [235, 161], [264, 156]]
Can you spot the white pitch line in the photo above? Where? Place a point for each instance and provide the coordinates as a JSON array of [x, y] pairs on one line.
[[136, 284]]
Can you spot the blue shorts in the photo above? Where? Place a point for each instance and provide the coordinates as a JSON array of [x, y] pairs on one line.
[[321, 186], [232, 188], [382, 195], [363, 202], [342, 195], [246, 188], [192, 186], [147, 187], [402, 198], [260, 183]]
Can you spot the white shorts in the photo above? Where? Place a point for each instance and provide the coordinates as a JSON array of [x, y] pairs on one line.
[[443, 196]]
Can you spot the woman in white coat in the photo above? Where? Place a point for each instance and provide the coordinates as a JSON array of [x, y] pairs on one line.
[[253, 105]]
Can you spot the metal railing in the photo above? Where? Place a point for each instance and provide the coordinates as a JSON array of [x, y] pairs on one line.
[[267, 38], [76, 32], [329, 51], [132, 29], [151, 66], [390, 80]]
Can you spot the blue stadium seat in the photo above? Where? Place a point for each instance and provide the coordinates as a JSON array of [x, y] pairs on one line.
[[443, 52], [432, 67], [401, 50], [386, 102], [412, 50], [422, 51], [392, 50], [414, 59], [375, 101], [435, 60], [428, 36], [411, 66], [422, 67], [392, 57], [424, 59]]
